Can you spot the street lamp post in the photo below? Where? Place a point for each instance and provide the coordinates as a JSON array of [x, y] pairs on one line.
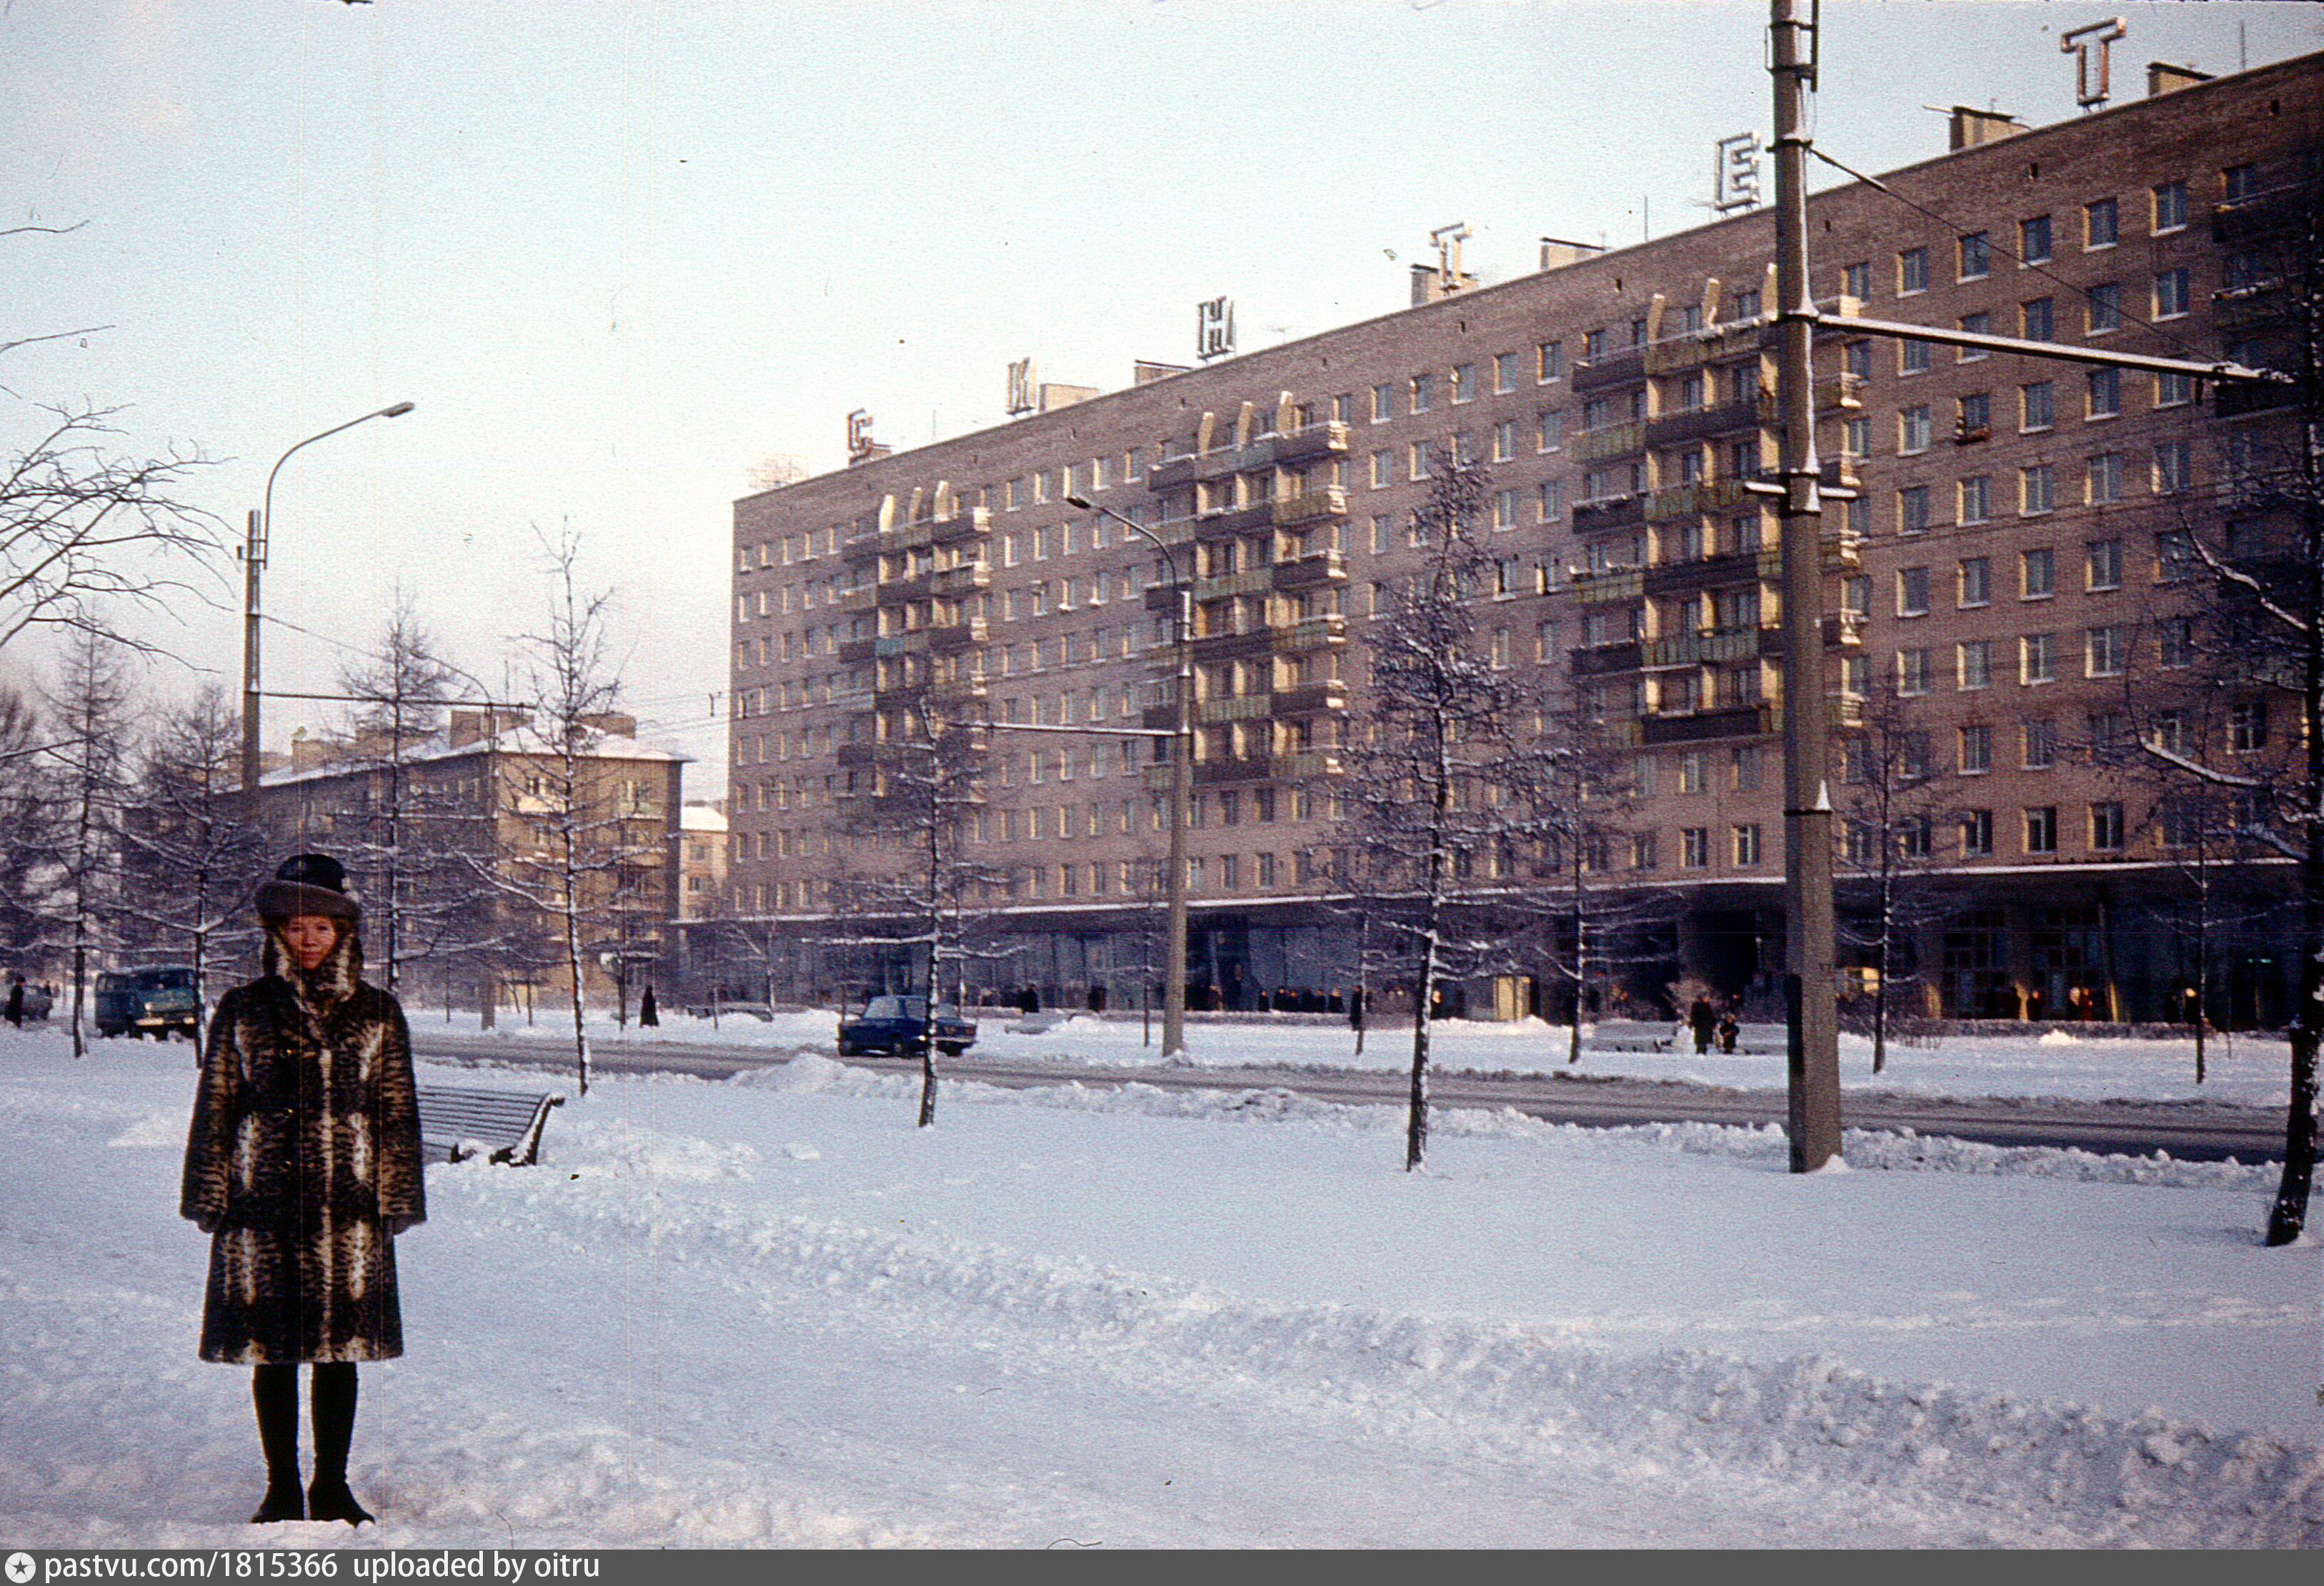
[[1182, 783], [253, 560]]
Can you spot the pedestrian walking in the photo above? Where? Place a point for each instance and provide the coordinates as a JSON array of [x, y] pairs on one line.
[[16, 1014], [648, 1011], [302, 1165], [1702, 1018], [1728, 1030]]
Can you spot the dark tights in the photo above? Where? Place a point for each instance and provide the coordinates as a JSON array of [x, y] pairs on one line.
[[332, 1402]]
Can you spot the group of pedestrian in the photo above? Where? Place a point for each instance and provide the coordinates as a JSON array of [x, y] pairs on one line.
[[1711, 1023], [25, 1001]]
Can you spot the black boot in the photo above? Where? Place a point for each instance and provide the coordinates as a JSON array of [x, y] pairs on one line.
[[334, 1406], [274, 1389]]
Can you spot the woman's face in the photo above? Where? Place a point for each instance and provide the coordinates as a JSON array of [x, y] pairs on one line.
[[310, 939]]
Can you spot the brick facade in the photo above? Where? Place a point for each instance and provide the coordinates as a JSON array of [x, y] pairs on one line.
[[2000, 567]]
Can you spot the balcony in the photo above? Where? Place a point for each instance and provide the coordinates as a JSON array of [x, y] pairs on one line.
[[1704, 423], [1623, 368], [1607, 584], [967, 524], [1329, 502], [1688, 578], [1606, 660], [1710, 646], [2233, 398], [1327, 440], [1614, 512], [1250, 581], [1746, 721], [1259, 768], [1235, 707], [1609, 440], [1841, 393], [1312, 571], [966, 634], [858, 601], [1241, 520], [957, 690], [1329, 693], [1693, 348], [855, 652], [1692, 499], [2262, 214], [1314, 634], [960, 580]]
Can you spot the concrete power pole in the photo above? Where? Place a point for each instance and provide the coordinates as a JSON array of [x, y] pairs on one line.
[[1811, 987]]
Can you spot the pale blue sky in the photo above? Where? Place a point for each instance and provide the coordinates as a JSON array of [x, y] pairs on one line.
[[618, 250]]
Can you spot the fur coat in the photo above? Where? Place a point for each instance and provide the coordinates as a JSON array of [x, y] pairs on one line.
[[303, 1162]]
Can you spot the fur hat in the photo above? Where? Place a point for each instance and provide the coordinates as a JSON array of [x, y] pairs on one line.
[[308, 883]]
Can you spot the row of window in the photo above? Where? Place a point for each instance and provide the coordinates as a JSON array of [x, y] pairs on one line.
[[2037, 575], [2036, 238]]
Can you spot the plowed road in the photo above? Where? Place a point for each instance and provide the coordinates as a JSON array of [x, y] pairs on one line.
[[2190, 1131]]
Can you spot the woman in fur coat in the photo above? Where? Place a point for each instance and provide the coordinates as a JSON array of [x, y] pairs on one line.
[[303, 1164]]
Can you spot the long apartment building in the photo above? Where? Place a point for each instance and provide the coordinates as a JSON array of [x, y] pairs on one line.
[[2004, 562]]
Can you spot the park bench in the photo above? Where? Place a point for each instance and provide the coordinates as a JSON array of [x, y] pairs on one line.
[[456, 1122]]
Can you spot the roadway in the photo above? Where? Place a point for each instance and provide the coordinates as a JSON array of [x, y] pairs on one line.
[[2190, 1131]]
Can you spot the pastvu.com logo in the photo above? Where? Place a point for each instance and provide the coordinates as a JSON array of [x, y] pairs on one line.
[[20, 1568]]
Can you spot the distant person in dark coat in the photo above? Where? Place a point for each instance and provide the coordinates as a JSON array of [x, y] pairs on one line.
[[1728, 1030], [647, 1013], [1702, 1018], [1356, 1009], [16, 1000], [302, 1165]]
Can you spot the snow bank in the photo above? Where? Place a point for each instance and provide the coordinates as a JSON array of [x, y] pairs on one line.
[[1903, 1151], [2044, 1472]]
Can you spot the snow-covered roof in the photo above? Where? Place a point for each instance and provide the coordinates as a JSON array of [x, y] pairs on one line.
[[700, 817], [508, 740]]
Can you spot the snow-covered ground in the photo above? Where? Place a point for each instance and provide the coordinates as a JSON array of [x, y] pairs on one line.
[[2242, 1070], [768, 1311]]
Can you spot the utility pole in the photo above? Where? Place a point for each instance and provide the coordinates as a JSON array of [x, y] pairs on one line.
[[254, 558], [1811, 989]]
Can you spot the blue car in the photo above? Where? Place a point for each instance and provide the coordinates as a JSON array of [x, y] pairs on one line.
[[897, 1026], [157, 1002]]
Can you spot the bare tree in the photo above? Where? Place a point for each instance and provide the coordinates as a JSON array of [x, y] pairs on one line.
[[411, 840], [1444, 795], [1891, 810], [93, 697], [86, 530], [32, 820], [1592, 785], [189, 854], [919, 890], [2262, 552], [576, 865]]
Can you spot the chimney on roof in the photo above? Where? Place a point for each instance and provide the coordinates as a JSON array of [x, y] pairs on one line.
[[1054, 397], [1971, 128], [2163, 78], [472, 727], [1429, 285], [614, 723], [309, 752], [1146, 371], [1557, 252]]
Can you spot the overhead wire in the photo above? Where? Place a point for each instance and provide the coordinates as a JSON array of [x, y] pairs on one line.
[[1877, 184]]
